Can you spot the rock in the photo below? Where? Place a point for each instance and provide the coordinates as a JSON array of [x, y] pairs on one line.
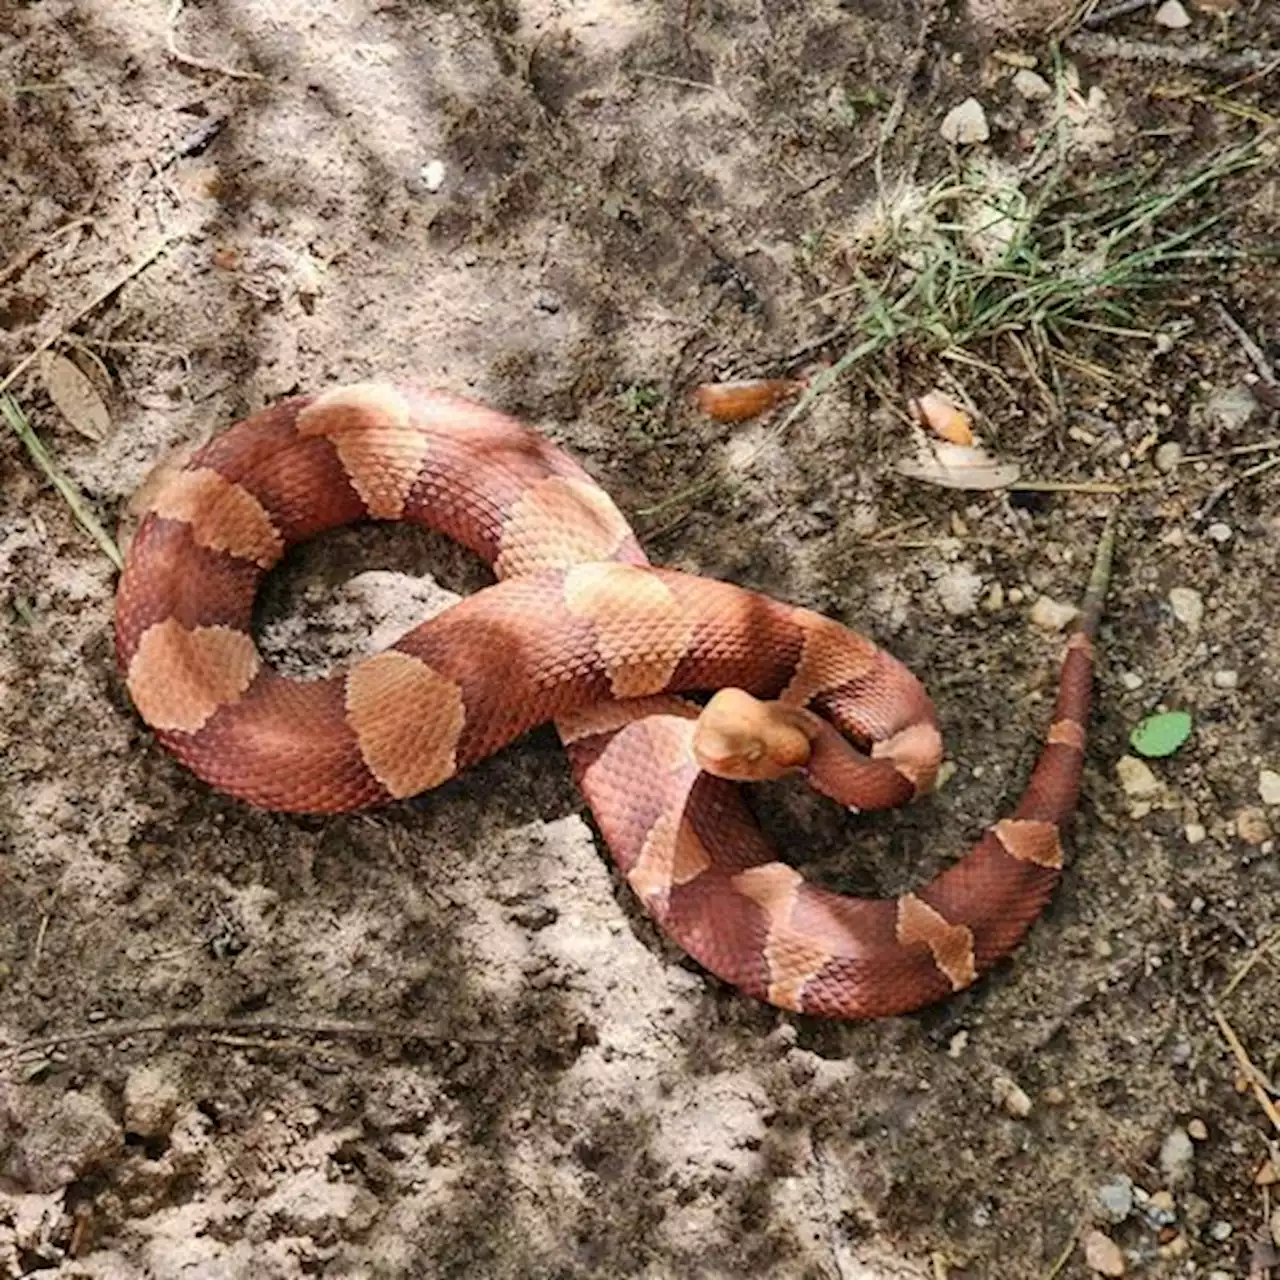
[[993, 601], [1194, 833], [61, 1139], [958, 590], [431, 175], [1168, 455], [1102, 1254], [1230, 408], [1161, 1210], [1226, 679], [1188, 606], [1220, 1231], [1136, 778], [1197, 1130], [1131, 681], [1176, 1157], [1033, 87], [1171, 14], [1269, 786], [1219, 532], [965, 124], [1050, 615], [1115, 1200], [1008, 1094], [151, 1096], [1252, 826]]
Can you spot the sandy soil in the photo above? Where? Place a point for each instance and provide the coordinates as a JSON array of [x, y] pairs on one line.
[[440, 1039]]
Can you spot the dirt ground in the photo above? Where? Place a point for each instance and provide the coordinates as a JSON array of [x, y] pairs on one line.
[[440, 1039]]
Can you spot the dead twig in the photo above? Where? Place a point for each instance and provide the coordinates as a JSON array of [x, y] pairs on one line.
[[1263, 948], [189, 59], [1202, 55], [1100, 17], [92, 305], [1255, 353], [1226, 486], [1247, 1069], [30, 254], [1263, 446], [208, 1028]]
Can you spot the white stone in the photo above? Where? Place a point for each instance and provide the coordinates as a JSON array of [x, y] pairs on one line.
[[1033, 87], [965, 124], [1195, 833], [1171, 14], [1269, 786], [1136, 777], [1226, 679], [1051, 615], [1188, 606], [432, 175]]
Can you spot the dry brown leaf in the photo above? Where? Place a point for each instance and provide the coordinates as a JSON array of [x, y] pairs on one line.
[[943, 417], [956, 466], [75, 396], [738, 401]]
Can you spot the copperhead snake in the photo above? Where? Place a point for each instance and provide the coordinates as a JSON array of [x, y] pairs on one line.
[[581, 630]]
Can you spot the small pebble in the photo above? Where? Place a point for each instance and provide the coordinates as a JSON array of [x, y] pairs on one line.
[[1188, 606], [957, 1044], [1197, 1129], [1050, 615], [1267, 1176], [1194, 833], [1160, 1209], [1010, 1095], [1220, 1231], [1176, 1157], [1136, 778], [965, 124], [1175, 1248], [1269, 786], [1033, 87], [1115, 1200], [1168, 455], [1219, 532], [1226, 679], [1053, 1096], [1131, 681], [1172, 15], [993, 601], [1230, 408], [1102, 1254], [1252, 826], [431, 175]]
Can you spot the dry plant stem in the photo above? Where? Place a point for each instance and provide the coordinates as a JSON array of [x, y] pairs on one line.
[[1100, 17], [1226, 486], [29, 255], [214, 1027], [1264, 446], [1208, 57], [1243, 1061], [17, 420], [189, 59], [92, 305], [1262, 949], [1250, 347]]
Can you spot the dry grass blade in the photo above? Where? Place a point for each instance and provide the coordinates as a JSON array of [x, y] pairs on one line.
[[72, 496]]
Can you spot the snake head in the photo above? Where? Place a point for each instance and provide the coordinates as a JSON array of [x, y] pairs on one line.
[[745, 740]]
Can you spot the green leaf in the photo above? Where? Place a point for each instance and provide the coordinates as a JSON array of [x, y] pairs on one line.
[[1161, 735]]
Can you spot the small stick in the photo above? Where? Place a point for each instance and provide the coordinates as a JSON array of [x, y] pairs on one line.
[[1258, 952], [1203, 55], [1079, 486], [214, 1027], [1266, 446], [1227, 485], [1245, 1063], [1100, 17], [29, 255], [189, 59], [1251, 348], [92, 305]]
